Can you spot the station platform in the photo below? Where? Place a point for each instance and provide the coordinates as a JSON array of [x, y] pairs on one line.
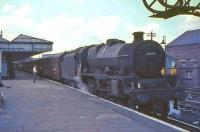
[[47, 106]]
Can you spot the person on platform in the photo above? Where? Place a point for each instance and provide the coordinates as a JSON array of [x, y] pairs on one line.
[[34, 73]]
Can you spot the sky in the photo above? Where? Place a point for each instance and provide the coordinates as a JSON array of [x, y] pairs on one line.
[[74, 23]]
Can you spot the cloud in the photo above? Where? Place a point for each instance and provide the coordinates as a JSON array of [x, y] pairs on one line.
[[103, 27], [189, 23], [147, 28], [23, 10], [72, 32], [61, 23], [7, 8], [151, 26], [16, 19], [69, 32], [65, 31], [79, 1]]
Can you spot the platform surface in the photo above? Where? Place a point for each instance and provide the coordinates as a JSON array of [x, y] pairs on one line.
[[46, 106]]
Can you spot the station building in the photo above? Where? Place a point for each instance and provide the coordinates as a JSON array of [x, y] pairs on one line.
[[22, 46], [186, 50]]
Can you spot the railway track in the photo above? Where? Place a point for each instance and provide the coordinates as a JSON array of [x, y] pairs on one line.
[[189, 105], [192, 101], [181, 124], [194, 94]]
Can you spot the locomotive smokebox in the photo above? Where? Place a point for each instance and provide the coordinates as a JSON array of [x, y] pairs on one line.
[[138, 36]]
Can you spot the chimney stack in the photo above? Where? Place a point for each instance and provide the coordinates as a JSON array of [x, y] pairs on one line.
[[138, 36]]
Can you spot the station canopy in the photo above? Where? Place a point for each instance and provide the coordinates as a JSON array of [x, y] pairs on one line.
[[24, 46]]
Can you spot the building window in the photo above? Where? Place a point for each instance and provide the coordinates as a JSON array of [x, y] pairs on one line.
[[182, 63], [194, 62], [188, 74]]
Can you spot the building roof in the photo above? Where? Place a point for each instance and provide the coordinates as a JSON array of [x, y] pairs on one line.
[[187, 38], [29, 39], [3, 40]]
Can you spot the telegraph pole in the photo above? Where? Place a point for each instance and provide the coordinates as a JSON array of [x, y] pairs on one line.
[[151, 34]]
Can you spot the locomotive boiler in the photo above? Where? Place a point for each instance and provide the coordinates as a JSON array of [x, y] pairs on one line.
[[143, 58]]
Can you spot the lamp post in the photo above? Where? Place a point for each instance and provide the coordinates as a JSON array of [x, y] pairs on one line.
[[164, 42]]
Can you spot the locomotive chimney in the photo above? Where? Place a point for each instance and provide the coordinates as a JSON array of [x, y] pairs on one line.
[[138, 36]]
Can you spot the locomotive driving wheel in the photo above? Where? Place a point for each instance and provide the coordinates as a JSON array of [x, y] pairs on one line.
[[131, 103], [146, 108], [91, 85], [165, 109], [162, 108]]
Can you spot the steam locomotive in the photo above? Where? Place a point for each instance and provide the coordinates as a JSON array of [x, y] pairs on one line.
[[118, 71]]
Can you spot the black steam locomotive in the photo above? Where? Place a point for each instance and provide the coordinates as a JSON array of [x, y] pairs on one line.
[[119, 71]]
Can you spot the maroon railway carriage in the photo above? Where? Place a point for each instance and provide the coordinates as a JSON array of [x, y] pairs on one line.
[[51, 67], [47, 66]]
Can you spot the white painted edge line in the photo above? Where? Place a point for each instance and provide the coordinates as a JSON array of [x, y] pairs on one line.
[[141, 114], [184, 123]]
